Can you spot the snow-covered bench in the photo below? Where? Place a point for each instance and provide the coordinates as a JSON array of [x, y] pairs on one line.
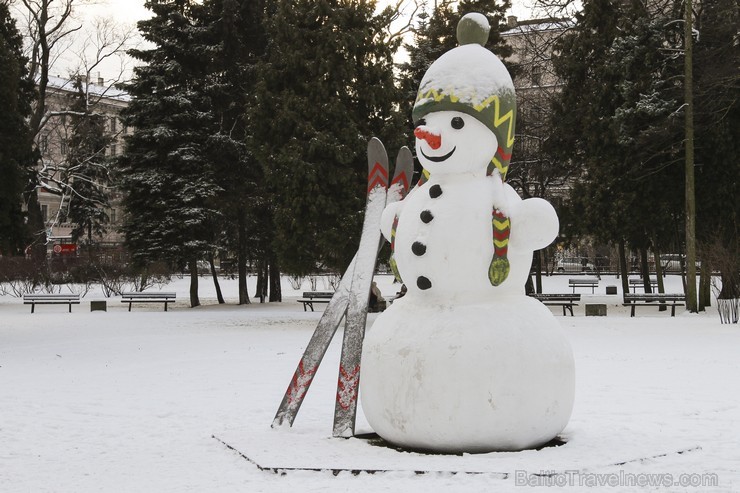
[[639, 283], [654, 299], [34, 299], [587, 282], [311, 297], [567, 301], [144, 297]]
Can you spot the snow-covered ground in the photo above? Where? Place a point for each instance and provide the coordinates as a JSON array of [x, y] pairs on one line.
[[144, 401]]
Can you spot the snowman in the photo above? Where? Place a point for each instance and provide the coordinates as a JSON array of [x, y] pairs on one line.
[[465, 361]]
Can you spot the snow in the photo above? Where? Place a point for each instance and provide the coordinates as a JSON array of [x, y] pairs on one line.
[[479, 19], [119, 401], [465, 362], [467, 377], [488, 77]]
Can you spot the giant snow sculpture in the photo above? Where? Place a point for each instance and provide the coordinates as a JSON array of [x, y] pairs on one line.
[[465, 361]]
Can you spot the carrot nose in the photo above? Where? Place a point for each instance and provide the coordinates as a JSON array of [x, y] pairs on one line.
[[434, 140]]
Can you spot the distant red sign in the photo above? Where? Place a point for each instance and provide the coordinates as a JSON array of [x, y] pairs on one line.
[[65, 248]]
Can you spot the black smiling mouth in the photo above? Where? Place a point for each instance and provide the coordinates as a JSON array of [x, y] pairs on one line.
[[439, 159]]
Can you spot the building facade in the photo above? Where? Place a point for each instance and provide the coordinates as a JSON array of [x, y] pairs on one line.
[[55, 191], [536, 86]]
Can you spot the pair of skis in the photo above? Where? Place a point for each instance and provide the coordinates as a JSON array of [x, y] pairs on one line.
[[351, 299]]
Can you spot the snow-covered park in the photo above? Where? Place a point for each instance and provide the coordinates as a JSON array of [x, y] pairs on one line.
[[183, 400]]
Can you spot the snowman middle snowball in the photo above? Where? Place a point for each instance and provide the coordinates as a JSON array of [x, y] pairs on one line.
[[442, 232]]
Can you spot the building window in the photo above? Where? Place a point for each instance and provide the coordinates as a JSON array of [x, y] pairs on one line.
[[44, 146], [113, 216], [45, 212], [113, 124], [63, 147], [113, 150]]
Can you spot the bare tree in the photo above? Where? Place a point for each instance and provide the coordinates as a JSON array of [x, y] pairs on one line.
[[49, 26], [53, 30]]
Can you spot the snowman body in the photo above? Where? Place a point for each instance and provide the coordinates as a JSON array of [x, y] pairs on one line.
[[458, 364], [443, 242]]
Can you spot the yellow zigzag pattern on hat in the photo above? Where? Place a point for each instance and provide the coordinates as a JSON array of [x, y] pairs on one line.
[[498, 119]]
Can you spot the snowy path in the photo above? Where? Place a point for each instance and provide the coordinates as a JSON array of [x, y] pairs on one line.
[[118, 401]]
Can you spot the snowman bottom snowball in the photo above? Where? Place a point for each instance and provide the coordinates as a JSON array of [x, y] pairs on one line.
[[478, 378]]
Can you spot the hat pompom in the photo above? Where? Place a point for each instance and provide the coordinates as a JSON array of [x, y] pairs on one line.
[[473, 28]]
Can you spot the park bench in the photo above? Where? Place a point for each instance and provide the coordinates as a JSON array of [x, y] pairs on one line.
[[639, 283], [654, 299], [51, 299], [567, 301], [311, 297], [586, 282], [143, 297]]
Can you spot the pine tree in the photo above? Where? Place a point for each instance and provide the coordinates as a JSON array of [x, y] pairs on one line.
[[88, 170], [168, 183], [232, 30], [325, 87], [583, 126], [717, 103], [16, 155]]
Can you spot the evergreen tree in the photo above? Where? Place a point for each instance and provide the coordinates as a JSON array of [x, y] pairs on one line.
[[168, 183], [16, 156], [582, 118], [88, 170], [649, 126], [325, 87], [717, 120], [233, 33], [613, 107]]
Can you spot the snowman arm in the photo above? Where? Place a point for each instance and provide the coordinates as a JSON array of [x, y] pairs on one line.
[[534, 225]]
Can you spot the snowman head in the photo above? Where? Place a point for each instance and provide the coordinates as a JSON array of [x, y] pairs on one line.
[[450, 142], [471, 81]]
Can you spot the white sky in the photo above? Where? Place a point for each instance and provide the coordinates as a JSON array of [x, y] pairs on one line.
[[133, 10], [128, 12]]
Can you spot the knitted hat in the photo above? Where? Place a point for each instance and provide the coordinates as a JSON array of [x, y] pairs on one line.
[[472, 80]]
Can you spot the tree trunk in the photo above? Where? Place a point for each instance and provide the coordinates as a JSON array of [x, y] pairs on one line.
[[193, 267], [241, 258], [705, 285], [538, 270], [529, 286], [645, 267], [214, 274], [623, 267], [262, 280], [659, 270], [276, 292], [691, 297]]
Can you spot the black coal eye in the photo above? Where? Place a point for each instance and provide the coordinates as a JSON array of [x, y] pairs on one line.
[[421, 122], [457, 123]]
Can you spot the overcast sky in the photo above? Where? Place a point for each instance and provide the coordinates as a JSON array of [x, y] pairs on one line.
[[127, 12], [133, 10]]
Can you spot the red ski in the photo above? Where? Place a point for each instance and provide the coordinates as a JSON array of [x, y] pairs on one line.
[[337, 307]]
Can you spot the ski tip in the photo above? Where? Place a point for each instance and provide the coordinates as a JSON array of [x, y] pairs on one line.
[[374, 146], [404, 157], [404, 170], [377, 165]]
